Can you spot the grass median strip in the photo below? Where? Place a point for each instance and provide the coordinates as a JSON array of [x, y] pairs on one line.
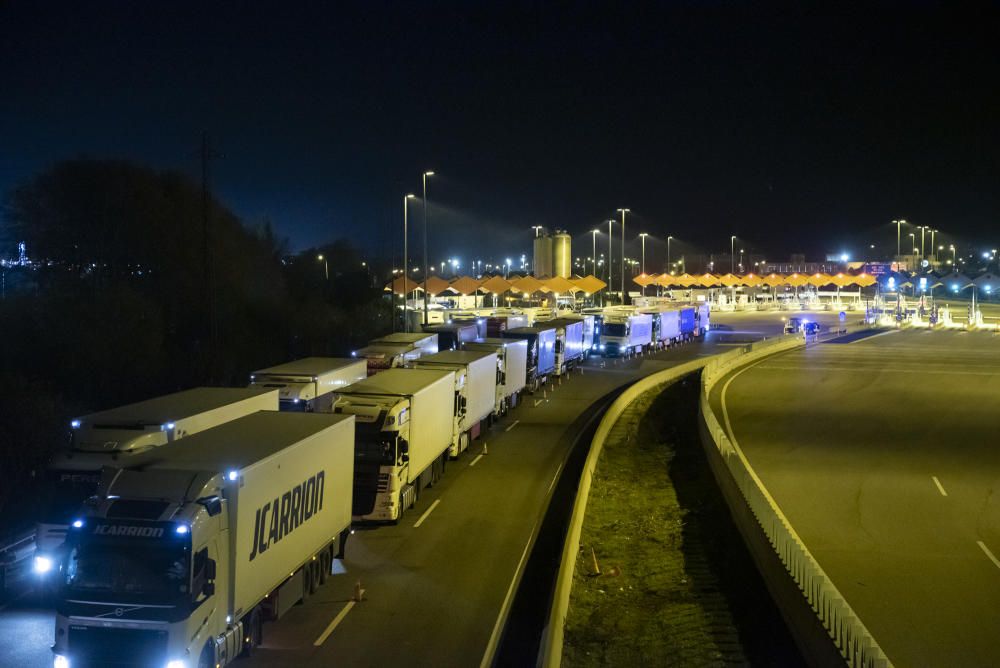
[[662, 577]]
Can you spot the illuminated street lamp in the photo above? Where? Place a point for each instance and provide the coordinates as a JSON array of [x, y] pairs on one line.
[[610, 256], [326, 267], [899, 224], [669, 239], [623, 211], [594, 258], [426, 267], [732, 253], [643, 236], [537, 229], [406, 250]]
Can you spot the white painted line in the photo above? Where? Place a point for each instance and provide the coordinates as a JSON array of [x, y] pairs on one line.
[[996, 562], [537, 401], [873, 336], [428, 512], [512, 425], [473, 462], [491, 646], [336, 620], [939, 485]]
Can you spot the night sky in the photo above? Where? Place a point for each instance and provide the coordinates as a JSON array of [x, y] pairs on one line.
[[795, 131]]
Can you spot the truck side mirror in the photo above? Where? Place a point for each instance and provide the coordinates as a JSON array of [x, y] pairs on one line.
[[208, 589], [210, 569], [404, 452]]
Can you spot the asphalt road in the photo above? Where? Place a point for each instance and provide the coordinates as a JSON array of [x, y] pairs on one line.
[[883, 455], [438, 583]]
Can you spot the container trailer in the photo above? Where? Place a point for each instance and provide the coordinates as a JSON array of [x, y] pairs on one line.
[[569, 343], [541, 352], [512, 369], [180, 562], [451, 336], [426, 342], [308, 385], [475, 386], [626, 333], [382, 356]]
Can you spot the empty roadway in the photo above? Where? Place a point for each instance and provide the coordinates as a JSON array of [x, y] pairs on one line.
[[883, 455]]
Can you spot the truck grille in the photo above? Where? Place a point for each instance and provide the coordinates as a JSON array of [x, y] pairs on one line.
[[383, 482], [99, 646]]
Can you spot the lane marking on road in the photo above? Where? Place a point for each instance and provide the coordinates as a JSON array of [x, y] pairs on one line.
[[512, 425], [939, 485], [555, 477], [491, 646], [473, 462], [537, 401], [336, 621], [992, 557], [428, 512], [873, 336]]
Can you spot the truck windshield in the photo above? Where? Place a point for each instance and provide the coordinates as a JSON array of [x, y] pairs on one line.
[[615, 329], [64, 492], [134, 569], [374, 446]]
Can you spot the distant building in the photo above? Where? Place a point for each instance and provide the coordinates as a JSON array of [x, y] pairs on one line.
[[553, 254]]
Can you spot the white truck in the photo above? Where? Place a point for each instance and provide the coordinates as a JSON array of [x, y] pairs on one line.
[[626, 333], [405, 419], [117, 437], [570, 349], [427, 342], [308, 385], [666, 325], [512, 364], [476, 387], [178, 563], [381, 356]]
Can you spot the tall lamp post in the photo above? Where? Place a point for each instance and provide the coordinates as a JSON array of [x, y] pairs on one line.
[[732, 253], [426, 267], [623, 212], [669, 239], [610, 256], [594, 259], [923, 229], [643, 236], [406, 259], [537, 229], [326, 267], [899, 225]]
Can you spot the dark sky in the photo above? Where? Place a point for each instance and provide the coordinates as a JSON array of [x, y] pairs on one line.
[[806, 130]]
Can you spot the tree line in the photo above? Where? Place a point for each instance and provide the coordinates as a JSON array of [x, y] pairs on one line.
[[146, 285]]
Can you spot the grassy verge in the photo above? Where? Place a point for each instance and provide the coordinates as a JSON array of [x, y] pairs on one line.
[[676, 586]]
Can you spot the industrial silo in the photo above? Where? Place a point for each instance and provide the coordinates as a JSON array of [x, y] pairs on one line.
[[543, 256], [562, 254]]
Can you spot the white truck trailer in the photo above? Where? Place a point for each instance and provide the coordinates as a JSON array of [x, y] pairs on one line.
[[405, 419], [476, 386], [666, 325], [512, 364], [626, 333], [569, 343], [117, 437], [381, 356], [179, 562], [308, 385], [427, 342]]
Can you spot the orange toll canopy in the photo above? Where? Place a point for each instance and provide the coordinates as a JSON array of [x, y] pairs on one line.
[[819, 279], [497, 285], [796, 280], [398, 288], [643, 280], [466, 285], [558, 285], [729, 280], [526, 284], [589, 284], [707, 280], [751, 280], [773, 280], [435, 285]]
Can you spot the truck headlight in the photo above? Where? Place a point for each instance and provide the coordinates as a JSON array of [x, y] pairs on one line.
[[177, 663], [41, 566], [60, 661]]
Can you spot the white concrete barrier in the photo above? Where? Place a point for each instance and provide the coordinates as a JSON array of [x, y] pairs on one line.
[[856, 644]]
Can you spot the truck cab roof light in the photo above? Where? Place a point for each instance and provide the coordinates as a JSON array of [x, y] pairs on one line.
[[233, 475], [182, 529], [75, 424]]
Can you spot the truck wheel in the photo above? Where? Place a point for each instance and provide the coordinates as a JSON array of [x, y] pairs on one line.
[[206, 658], [307, 586], [315, 574], [253, 633]]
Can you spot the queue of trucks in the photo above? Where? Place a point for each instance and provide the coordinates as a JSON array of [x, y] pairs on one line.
[[182, 523]]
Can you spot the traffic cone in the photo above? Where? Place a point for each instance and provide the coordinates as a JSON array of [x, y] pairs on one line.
[[595, 568], [359, 593]]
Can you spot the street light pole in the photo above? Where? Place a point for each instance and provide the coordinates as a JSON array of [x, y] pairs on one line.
[[326, 267], [732, 253], [594, 258], [923, 228], [623, 212], [426, 267], [899, 225], [669, 239], [406, 248], [643, 265]]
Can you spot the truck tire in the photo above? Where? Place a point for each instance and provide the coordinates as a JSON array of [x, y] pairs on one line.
[[315, 574], [324, 566], [307, 586], [253, 633]]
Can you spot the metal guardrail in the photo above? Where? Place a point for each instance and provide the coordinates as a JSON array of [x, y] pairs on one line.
[[15, 556], [849, 634]]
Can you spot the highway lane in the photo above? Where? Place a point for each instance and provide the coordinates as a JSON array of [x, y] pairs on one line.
[[435, 592], [882, 453]]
